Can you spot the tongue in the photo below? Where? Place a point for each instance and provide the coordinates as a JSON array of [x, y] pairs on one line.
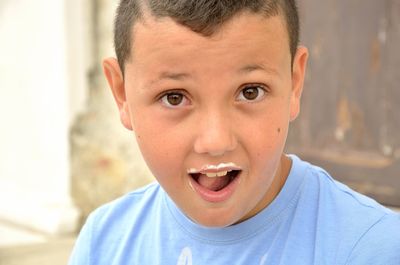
[[214, 184]]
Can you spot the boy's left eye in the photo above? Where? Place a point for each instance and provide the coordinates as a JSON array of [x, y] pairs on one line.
[[251, 93], [174, 99]]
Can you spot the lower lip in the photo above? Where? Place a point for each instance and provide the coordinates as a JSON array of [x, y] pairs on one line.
[[215, 196]]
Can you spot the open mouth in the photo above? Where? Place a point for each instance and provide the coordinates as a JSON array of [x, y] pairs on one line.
[[215, 181]]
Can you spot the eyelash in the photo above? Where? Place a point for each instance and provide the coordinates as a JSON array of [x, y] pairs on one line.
[[164, 98], [260, 88]]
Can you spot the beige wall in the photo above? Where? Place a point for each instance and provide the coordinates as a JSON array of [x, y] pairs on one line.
[[40, 96]]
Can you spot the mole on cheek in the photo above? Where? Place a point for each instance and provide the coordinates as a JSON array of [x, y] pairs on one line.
[[279, 130]]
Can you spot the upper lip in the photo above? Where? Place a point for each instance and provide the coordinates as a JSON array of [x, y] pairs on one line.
[[214, 168]]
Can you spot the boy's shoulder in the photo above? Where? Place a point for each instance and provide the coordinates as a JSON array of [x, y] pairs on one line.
[[341, 197], [135, 203], [144, 193], [116, 221], [362, 225]]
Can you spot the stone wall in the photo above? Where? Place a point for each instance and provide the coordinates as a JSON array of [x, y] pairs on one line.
[[106, 162]]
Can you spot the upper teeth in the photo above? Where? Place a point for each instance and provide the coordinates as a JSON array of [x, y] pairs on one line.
[[217, 174]]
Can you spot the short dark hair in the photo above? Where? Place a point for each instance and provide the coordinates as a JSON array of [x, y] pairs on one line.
[[202, 16]]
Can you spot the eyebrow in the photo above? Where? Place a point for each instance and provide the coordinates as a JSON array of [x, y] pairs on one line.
[[169, 75], [257, 67], [179, 76], [172, 76]]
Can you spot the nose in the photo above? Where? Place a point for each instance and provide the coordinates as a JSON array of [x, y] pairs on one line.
[[215, 135]]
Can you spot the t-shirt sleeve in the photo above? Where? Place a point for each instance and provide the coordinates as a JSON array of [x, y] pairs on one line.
[[380, 245], [81, 252]]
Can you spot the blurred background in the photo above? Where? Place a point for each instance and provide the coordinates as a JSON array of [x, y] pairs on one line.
[[63, 151]]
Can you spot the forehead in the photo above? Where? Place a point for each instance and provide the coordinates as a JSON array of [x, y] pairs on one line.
[[244, 37]]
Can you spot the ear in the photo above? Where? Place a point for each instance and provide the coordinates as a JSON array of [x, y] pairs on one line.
[[115, 79], [298, 76]]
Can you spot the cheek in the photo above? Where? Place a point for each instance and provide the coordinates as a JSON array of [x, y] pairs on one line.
[[267, 141], [162, 148], [269, 131], [267, 152]]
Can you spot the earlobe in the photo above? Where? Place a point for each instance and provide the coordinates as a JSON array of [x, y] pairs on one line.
[[125, 117], [298, 76], [115, 79]]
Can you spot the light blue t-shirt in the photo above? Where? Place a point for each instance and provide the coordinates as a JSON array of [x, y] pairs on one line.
[[313, 220]]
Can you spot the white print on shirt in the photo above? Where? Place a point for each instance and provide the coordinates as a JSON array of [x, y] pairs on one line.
[[264, 259], [186, 257]]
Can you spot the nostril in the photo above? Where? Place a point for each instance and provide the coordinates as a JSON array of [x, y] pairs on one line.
[[216, 153]]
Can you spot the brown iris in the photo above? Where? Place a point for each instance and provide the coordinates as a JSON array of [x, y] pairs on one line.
[[250, 93], [174, 99]]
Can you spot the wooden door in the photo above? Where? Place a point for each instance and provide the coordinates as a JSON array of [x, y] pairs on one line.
[[350, 118]]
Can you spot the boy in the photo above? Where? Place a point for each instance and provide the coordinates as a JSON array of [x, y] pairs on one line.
[[209, 87]]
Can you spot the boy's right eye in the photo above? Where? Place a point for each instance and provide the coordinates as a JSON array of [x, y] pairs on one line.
[[174, 99]]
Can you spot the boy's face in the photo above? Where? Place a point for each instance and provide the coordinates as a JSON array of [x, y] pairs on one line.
[[207, 106]]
